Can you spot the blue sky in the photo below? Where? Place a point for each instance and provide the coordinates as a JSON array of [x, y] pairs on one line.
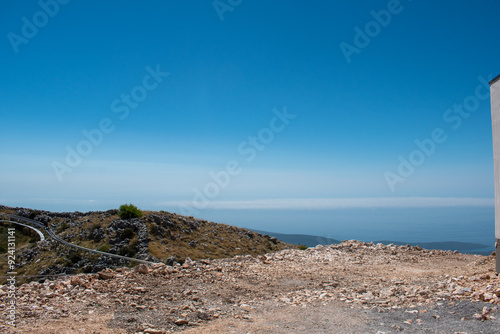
[[327, 130]]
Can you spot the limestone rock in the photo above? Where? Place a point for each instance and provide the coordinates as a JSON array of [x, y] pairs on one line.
[[106, 275], [141, 269], [180, 322]]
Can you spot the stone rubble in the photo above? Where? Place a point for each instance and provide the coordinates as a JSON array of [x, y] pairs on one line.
[[164, 299]]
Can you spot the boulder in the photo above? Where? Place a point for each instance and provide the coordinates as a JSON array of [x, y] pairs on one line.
[[106, 274]]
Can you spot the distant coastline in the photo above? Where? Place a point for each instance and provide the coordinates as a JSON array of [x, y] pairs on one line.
[[313, 240]]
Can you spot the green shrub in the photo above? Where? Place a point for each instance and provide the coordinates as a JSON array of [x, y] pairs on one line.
[[131, 249], [303, 247], [64, 225], [33, 214], [127, 233], [155, 229], [128, 211], [74, 257], [104, 248]]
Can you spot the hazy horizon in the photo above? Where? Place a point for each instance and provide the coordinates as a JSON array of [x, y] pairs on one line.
[[471, 224]]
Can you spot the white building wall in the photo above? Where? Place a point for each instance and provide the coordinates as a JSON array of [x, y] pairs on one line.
[[495, 120]]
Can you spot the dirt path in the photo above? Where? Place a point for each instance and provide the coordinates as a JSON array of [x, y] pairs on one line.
[[336, 318], [269, 318]]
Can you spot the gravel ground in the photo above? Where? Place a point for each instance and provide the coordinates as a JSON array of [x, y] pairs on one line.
[[336, 318], [455, 317], [353, 287]]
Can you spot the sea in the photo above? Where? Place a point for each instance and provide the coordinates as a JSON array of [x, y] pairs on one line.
[[465, 224], [404, 225]]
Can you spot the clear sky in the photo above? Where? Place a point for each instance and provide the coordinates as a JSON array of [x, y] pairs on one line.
[[192, 105]]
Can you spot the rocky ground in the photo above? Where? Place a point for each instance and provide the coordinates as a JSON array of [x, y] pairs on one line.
[[352, 287]]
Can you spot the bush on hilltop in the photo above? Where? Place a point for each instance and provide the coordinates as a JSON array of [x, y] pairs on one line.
[[128, 211]]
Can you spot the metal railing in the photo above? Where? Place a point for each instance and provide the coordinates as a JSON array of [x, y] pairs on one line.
[[52, 235]]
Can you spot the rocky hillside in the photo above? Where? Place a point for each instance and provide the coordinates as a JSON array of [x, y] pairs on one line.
[[156, 236]]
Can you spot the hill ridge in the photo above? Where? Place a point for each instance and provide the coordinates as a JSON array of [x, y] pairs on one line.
[[157, 237]]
